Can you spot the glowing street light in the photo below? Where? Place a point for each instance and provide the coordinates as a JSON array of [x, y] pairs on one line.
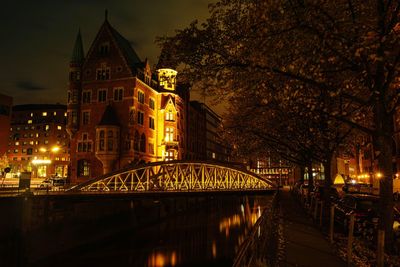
[[55, 149]]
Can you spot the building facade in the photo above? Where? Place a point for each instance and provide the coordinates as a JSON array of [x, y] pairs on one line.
[[204, 134], [120, 112], [5, 122], [38, 141]]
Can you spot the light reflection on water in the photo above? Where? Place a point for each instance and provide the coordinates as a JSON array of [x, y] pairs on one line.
[[161, 259], [245, 218], [209, 235]]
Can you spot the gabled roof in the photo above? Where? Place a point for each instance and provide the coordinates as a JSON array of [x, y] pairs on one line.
[[77, 54], [168, 100], [127, 52], [109, 117], [130, 55]]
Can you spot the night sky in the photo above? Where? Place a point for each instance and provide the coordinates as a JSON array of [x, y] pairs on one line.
[[38, 38]]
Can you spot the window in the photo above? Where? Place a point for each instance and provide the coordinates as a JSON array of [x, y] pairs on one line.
[[84, 145], [110, 141], [102, 95], [131, 116], [85, 117], [47, 128], [140, 118], [59, 127], [103, 73], [74, 116], [151, 103], [101, 140], [169, 116], [83, 167], [169, 134], [142, 144], [118, 94], [141, 97], [104, 48], [86, 97], [151, 123], [29, 121], [44, 114], [54, 113], [169, 155]]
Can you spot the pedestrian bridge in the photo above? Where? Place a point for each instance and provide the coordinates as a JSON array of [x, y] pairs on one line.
[[177, 176]]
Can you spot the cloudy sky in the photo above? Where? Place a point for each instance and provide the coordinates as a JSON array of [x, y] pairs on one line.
[[38, 37]]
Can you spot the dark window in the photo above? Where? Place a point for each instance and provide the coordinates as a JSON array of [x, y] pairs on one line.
[[102, 95], [86, 97], [151, 123], [140, 118], [118, 94], [143, 143], [141, 97], [151, 103], [101, 141], [85, 117]]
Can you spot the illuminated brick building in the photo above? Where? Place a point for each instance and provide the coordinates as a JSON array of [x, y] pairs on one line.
[[120, 112], [38, 141]]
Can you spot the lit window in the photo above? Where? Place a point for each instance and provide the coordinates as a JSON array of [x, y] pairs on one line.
[[31, 114], [59, 127], [141, 97], [29, 121], [47, 127], [17, 143], [44, 114], [54, 113], [46, 142], [169, 134], [169, 116], [65, 114], [31, 142]]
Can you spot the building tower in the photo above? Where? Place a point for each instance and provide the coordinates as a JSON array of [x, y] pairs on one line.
[[120, 113], [75, 86]]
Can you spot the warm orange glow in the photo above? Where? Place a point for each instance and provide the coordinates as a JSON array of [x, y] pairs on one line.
[[159, 259], [214, 249], [42, 149], [55, 149], [379, 175]]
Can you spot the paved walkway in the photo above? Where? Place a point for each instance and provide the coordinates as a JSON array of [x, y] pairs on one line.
[[305, 245]]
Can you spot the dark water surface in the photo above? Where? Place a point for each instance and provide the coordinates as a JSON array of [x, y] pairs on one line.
[[208, 234]]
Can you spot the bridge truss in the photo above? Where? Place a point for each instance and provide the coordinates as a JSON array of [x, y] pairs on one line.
[[178, 176]]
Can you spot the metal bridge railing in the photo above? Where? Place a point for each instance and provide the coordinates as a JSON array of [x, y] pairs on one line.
[[262, 245]]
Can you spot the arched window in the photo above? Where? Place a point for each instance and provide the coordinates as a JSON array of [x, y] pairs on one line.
[[136, 141], [143, 143], [101, 140]]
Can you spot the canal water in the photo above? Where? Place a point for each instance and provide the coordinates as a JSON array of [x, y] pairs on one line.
[[208, 234]]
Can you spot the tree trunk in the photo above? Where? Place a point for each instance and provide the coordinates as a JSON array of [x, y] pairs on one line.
[[384, 127], [301, 179]]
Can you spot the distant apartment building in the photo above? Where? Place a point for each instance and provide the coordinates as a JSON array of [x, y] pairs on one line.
[[204, 134], [38, 141], [120, 112], [5, 122]]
